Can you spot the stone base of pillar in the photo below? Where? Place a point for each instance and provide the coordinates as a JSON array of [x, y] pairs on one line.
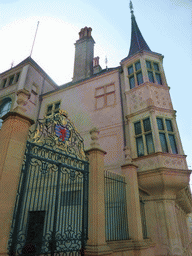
[[94, 250], [125, 248]]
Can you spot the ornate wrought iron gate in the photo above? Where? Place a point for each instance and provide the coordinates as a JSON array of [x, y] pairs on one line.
[[50, 215]]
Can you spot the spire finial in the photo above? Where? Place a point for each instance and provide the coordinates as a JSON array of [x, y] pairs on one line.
[[131, 7]]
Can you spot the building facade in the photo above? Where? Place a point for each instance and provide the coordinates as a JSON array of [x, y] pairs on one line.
[[130, 105]]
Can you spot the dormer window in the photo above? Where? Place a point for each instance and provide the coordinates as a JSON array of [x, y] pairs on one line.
[[53, 108], [17, 77], [153, 70], [4, 83], [10, 80], [135, 74]]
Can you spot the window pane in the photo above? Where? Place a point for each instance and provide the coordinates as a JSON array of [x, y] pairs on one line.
[[49, 108], [110, 99], [100, 102], [17, 77], [148, 64], [137, 128], [149, 143], [57, 105], [130, 70], [111, 88], [147, 124], [169, 125], [140, 148], [163, 142], [5, 108], [173, 143], [160, 124], [4, 82], [151, 77], [158, 77], [132, 82], [156, 66], [137, 65], [99, 91], [139, 78], [11, 80]]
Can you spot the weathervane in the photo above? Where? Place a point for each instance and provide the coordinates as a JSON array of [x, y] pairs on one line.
[[131, 7], [106, 61]]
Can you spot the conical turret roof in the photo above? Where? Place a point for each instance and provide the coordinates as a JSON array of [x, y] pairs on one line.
[[138, 43]]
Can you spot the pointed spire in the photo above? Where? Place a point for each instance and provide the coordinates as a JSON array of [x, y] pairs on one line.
[[137, 41]]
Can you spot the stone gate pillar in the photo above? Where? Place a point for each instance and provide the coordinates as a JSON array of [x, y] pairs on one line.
[[13, 137], [96, 244]]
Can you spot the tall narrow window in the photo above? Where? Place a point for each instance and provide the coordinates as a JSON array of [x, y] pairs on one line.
[[153, 71], [143, 132], [4, 83], [11, 79], [166, 135], [135, 75], [163, 141]]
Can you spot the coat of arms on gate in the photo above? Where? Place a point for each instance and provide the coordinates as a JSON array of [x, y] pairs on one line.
[[62, 133], [59, 133]]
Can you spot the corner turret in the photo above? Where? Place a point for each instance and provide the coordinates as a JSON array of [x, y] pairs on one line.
[[138, 43]]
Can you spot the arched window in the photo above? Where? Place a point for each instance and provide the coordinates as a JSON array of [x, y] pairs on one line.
[[4, 109]]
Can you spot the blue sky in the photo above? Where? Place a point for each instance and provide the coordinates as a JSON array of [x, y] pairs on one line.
[[166, 26]]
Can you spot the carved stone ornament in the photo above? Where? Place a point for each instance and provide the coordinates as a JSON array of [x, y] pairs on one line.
[[58, 133]]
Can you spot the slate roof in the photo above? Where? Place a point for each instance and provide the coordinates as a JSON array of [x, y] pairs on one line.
[[138, 43]]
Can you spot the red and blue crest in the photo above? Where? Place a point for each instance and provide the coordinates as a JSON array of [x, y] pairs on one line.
[[62, 132]]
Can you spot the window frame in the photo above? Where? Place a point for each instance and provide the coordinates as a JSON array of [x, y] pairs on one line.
[[155, 72], [104, 95], [11, 79], [136, 75], [3, 103], [144, 135], [53, 109], [173, 149]]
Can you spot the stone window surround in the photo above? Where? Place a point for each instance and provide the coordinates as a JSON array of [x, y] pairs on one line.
[[135, 74], [104, 95], [143, 135], [166, 132], [53, 110], [10, 79], [154, 71]]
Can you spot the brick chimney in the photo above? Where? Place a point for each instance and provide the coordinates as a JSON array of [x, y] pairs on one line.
[[84, 51], [96, 67]]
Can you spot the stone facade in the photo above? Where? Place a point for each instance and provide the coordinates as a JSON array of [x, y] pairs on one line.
[[131, 107]]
